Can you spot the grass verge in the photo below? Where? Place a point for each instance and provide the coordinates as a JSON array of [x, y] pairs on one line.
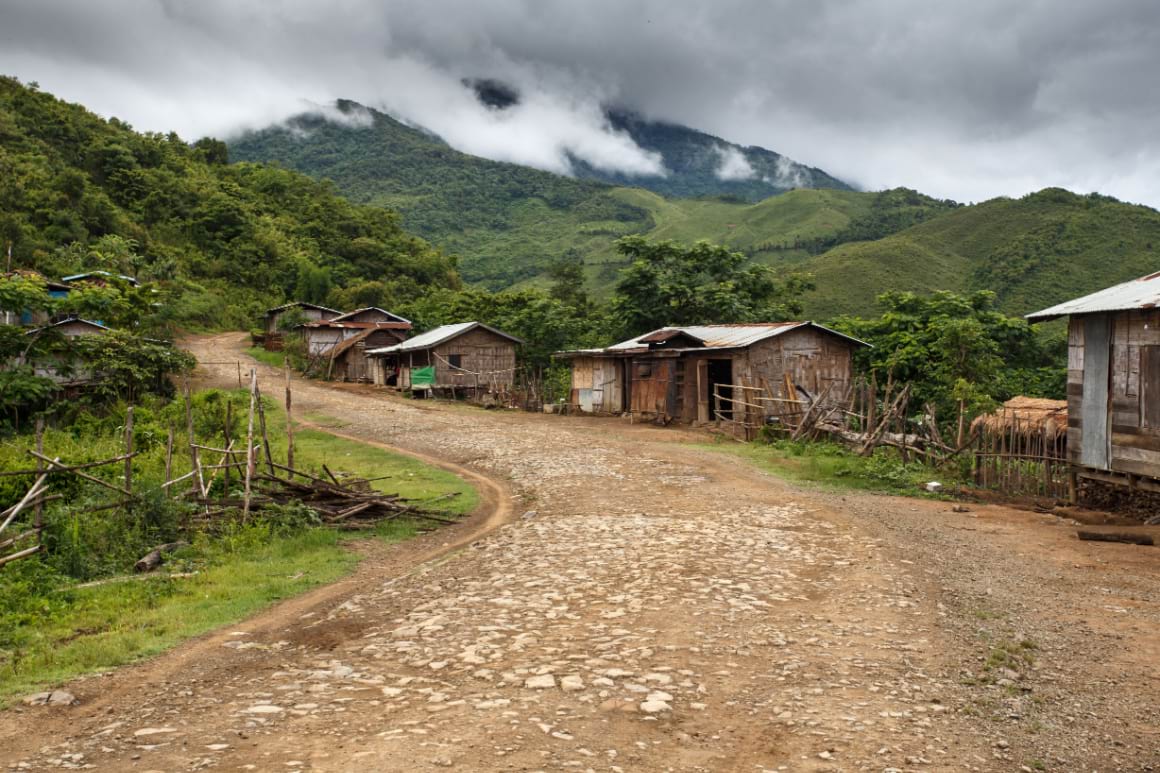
[[52, 629], [833, 467], [275, 359]]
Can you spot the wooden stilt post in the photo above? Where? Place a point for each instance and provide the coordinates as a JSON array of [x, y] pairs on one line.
[[129, 449], [250, 443]]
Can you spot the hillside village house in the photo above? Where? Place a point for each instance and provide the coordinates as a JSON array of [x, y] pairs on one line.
[[342, 341], [468, 358], [61, 368], [1113, 382], [674, 372], [276, 317]]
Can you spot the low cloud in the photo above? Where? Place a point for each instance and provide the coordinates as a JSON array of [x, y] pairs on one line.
[[733, 165], [965, 98]]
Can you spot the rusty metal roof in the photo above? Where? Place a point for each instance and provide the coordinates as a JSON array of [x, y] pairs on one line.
[[736, 336], [1142, 293], [437, 336]]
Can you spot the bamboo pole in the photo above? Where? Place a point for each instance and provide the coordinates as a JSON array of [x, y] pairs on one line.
[[37, 489], [250, 443]]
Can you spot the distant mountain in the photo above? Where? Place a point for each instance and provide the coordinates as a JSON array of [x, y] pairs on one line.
[[700, 164], [508, 223], [696, 164], [1033, 252]]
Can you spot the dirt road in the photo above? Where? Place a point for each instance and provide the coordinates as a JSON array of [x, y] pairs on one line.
[[631, 602]]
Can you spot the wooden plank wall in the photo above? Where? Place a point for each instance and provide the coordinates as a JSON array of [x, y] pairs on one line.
[[1135, 447], [652, 386], [1135, 375], [814, 359], [482, 351]]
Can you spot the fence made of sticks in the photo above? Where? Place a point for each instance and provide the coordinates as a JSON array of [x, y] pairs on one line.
[[266, 481], [1021, 453]]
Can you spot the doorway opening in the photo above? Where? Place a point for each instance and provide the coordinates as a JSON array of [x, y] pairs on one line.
[[720, 381]]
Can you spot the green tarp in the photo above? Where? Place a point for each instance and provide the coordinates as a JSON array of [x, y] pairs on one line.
[[423, 376]]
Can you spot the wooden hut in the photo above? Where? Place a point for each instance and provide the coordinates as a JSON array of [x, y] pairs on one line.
[[275, 319], [1113, 382], [676, 372], [468, 358]]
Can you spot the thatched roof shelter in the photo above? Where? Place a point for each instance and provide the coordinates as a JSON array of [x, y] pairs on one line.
[[1025, 414]]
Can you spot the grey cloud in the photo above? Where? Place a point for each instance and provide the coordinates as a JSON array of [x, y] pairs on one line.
[[966, 99]]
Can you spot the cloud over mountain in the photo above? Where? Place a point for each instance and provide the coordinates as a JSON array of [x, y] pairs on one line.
[[969, 99]]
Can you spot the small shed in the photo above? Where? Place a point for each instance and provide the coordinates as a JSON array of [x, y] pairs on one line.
[[274, 320], [62, 367], [1113, 380], [674, 372], [464, 358]]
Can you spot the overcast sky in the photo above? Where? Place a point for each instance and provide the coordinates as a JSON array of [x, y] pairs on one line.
[[964, 99]]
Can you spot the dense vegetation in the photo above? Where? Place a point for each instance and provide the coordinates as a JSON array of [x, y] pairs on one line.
[[225, 240]]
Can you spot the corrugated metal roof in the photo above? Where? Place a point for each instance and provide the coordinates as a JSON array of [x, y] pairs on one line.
[[437, 336], [1142, 293], [302, 304], [729, 336], [341, 317]]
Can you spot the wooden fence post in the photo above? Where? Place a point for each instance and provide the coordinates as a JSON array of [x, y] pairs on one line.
[[289, 421], [250, 443], [169, 455], [39, 511], [129, 449]]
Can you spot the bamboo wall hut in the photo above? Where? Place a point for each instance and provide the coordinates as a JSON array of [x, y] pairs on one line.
[[468, 358], [676, 372], [1113, 381]]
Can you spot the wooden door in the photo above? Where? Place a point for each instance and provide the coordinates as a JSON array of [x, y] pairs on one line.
[[1097, 340]]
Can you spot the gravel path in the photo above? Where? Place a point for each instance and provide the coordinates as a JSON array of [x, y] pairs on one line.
[[652, 606]]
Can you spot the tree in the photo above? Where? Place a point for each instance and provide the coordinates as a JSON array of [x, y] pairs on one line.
[[670, 284], [955, 351]]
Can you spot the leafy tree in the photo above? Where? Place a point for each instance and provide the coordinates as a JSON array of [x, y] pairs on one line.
[[545, 324], [956, 351], [313, 284], [670, 284]]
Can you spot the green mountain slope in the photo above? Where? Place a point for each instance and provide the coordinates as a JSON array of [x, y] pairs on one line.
[[508, 223], [228, 239], [1033, 252]]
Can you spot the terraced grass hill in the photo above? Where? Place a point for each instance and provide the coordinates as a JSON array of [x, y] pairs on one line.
[[1033, 252]]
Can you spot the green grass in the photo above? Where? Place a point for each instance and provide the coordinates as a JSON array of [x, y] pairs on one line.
[[832, 467], [51, 630], [275, 359], [97, 628]]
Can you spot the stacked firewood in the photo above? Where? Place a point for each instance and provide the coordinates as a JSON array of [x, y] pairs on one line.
[[346, 502]]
